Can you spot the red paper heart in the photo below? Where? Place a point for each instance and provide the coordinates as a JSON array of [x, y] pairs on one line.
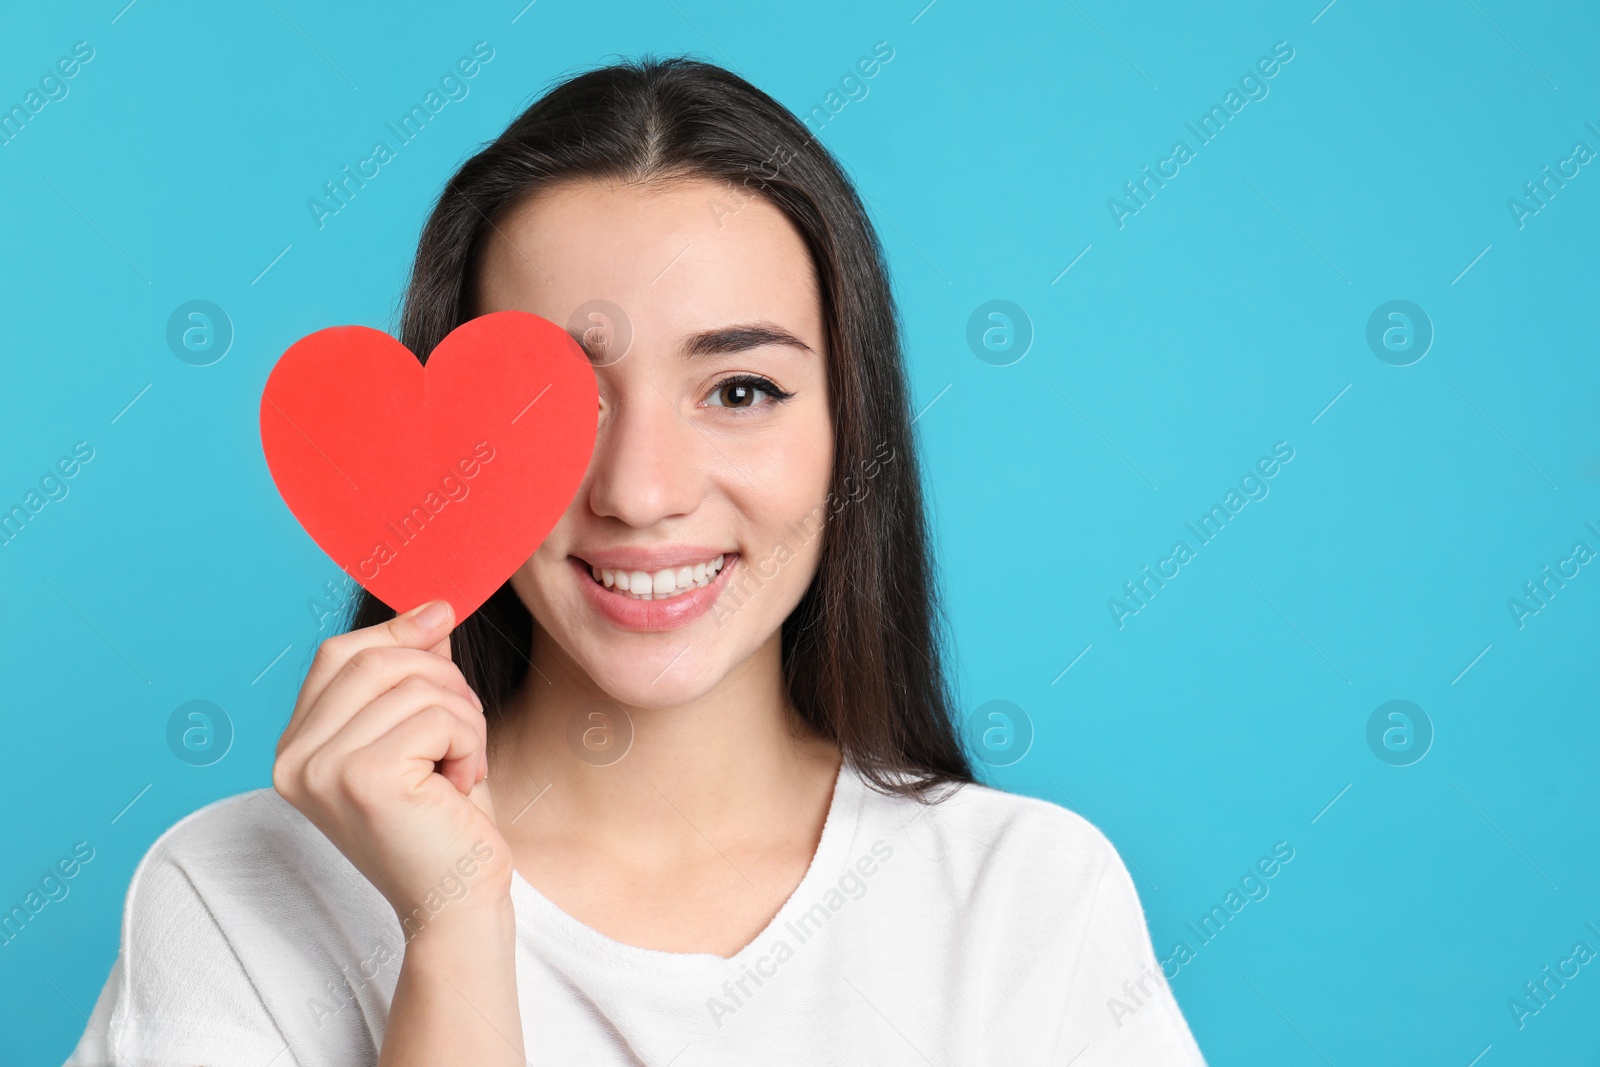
[[432, 482]]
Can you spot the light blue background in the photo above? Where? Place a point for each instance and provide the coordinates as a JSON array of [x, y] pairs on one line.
[[1227, 315]]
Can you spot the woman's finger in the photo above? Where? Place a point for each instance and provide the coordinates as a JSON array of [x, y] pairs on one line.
[[423, 628], [393, 707], [365, 676], [431, 741]]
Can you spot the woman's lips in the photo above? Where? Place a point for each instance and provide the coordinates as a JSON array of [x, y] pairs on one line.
[[651, 616]]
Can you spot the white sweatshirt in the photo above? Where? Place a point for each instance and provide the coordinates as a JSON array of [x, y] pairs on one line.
[[988, 928]]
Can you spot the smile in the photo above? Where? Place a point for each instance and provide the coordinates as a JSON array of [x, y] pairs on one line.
[[654, 591], [663, 584]]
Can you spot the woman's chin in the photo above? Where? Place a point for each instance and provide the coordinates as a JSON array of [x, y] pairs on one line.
[[673, 676]]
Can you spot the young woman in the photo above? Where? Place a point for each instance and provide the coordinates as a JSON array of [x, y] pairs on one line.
[[686, 790]]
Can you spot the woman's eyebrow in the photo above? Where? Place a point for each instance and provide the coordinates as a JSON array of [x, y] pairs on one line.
[[738, 338], [723, 340]]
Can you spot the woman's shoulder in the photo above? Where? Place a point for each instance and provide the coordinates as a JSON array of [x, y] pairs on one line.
[[989, 819], [247, 858], [246, 818], [1024, 818], [989, 842], [231, 930], [252, 831]]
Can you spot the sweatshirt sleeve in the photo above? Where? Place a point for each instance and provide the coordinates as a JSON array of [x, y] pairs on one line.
[[1119, 1007], [177, 992]]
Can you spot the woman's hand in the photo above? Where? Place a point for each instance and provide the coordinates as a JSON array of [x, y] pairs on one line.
[[386, 754]]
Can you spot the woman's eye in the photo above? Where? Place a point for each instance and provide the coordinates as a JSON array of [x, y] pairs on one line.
[[743, 392]]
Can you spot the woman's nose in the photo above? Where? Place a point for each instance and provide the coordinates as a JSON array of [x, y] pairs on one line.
[[649, 460]]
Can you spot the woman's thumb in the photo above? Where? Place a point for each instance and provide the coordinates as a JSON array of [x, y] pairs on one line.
[[425, 626]]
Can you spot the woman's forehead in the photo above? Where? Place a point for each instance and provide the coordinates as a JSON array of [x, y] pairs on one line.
[[675, 258]]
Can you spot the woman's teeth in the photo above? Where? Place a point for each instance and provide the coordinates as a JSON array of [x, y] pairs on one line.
[[642, 585]]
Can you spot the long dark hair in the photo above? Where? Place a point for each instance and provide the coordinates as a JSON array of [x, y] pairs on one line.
[[862, 650]]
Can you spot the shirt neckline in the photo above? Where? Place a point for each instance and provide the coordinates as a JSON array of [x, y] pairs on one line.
[[541, 920]]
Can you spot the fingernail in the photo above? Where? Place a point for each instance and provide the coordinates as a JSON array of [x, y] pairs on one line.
[[433, 614]]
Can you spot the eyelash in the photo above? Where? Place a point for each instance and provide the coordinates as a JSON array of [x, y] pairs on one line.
[[755, 381]]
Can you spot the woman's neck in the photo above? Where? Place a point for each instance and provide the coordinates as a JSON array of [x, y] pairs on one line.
[[728, 766]]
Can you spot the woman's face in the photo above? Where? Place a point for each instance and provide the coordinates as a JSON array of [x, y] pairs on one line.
[[700, 311]]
